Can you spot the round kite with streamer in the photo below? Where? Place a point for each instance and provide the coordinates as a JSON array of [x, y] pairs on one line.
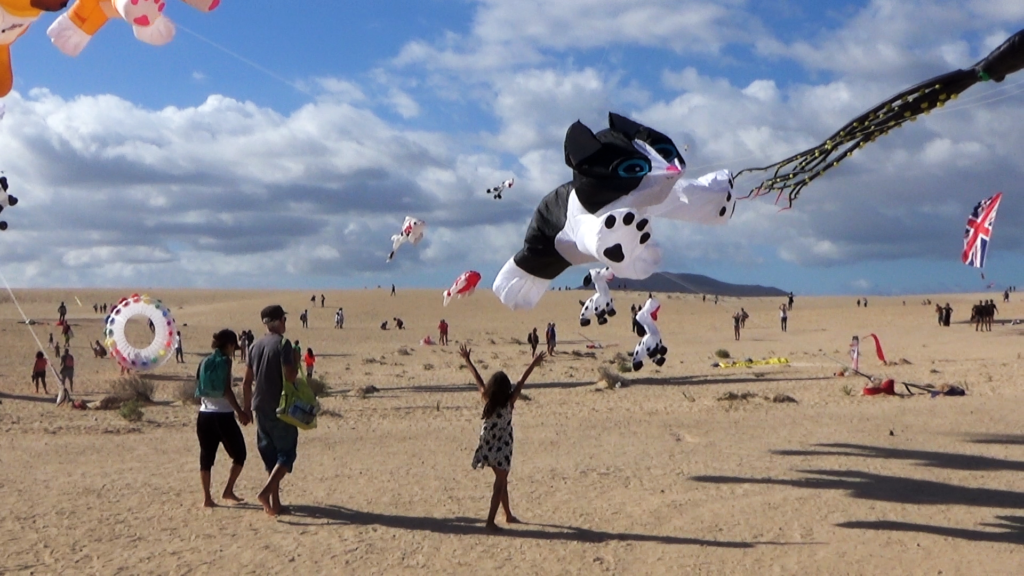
[[73, 30], [464, 285], [159, 350], [792, 175], [412, 232]]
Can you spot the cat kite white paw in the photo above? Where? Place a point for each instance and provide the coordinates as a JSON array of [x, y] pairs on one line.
[[412, 232]]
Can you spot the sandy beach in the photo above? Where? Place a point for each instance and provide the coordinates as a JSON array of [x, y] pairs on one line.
[[656, 477]]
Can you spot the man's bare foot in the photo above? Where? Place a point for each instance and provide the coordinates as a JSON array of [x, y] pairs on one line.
[[230, 496], [492, 527], [209, 503], [264, 499], [510, 519]]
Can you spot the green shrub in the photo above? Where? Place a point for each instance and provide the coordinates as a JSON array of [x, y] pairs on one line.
[[722, 353], [131, 411], [319, 386], [134, 387]]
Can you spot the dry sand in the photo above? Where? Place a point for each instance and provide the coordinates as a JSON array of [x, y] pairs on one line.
[[656, 477]]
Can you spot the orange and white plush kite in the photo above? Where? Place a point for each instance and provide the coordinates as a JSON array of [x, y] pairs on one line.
[[15, 18], [72, 30]]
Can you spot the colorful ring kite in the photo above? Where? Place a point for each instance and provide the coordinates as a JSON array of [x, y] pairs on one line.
[[158, 351]]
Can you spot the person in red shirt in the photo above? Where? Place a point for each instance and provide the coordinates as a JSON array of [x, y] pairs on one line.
[[310, 361], [442, 333], [39, 372]]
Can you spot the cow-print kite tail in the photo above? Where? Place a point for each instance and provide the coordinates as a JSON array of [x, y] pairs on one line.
[[793, 174]]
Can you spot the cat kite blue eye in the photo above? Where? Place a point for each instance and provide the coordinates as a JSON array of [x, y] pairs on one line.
[[667, 151], [633, 168]]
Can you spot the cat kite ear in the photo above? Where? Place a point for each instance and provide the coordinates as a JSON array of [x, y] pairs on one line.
[[625, 126], [580, 144]]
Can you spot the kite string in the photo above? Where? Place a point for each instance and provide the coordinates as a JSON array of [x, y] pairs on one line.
[[29, 326], [247, 61]]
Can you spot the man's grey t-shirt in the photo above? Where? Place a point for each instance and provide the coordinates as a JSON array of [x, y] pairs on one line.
[[265, 359]]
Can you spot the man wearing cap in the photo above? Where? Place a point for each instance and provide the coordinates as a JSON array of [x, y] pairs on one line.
[[267, 366]]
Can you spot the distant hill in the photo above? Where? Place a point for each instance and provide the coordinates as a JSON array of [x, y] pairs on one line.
[[693, 284]]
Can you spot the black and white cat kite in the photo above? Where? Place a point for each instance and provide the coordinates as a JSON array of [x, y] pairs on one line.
[[6, 200], [497, 190], [622, 176]]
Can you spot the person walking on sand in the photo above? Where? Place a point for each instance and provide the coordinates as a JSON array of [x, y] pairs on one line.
[[442, 333], [737, 318], [494, 449], [271, 361], [947, 314], [783, 315], [533, 340], [323, 300], [743, 318], [39, 372], [218, 407], [67, 370], [179, 352], [62, 312], [309, 360], [66, 332], [304, 318], [392, 289]]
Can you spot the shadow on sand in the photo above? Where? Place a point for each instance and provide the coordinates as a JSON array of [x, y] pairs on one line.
[[928, 458], [301, 516], [673, 381]]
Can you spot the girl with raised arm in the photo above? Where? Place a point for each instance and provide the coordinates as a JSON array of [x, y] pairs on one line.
[[495, 447]]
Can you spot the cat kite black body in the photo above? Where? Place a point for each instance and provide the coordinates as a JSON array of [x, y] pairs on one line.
[[622, 177], [793, 174]]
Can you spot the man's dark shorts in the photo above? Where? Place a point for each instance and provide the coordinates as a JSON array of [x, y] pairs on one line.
[[276, 441]]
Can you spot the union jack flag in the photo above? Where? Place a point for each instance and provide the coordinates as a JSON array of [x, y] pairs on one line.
[[979, 231]]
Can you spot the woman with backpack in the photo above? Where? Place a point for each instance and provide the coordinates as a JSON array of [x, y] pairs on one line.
[[216, 423]]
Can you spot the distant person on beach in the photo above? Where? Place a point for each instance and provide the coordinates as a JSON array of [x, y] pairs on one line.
[[978, 316], [98, 350], [304, 318], [39, 372], [384, 325], [533, 339], [551, 338], [399, 324], [309, 360], [49, 344], [496, 438], [783, 315], [939, 313], [947, 314], [855, 353], [1006, 295], [62, 312], [737, 318], [392, 289], [865, 302], [716, 299], [179, 352], [271, 362], [442, 333], [218, 407], [67, 370], [66, 332], [790, 301], [743, 318], [339, 319], [323, 300], [858, 302]]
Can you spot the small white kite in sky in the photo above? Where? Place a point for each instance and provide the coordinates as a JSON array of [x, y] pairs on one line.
[[412, 232], [497, 190]]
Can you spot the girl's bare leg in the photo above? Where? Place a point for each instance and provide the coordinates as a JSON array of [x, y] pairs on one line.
[[229, 488], [500, 483], [509, 518], [204, 477]]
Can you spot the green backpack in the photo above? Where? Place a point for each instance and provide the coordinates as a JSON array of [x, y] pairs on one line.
[[213, 375]]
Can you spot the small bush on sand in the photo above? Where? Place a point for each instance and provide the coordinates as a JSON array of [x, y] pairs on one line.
[[626, 366], [403, 351], [722, 353], [318, 386], [186, 392], [608, 379], [134, 387], [131, 411]]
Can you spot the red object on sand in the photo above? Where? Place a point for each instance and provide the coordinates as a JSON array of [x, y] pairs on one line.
[[878, 348], [888, 388]]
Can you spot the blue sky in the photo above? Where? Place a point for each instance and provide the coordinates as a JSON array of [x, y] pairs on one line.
[[184, 165]]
